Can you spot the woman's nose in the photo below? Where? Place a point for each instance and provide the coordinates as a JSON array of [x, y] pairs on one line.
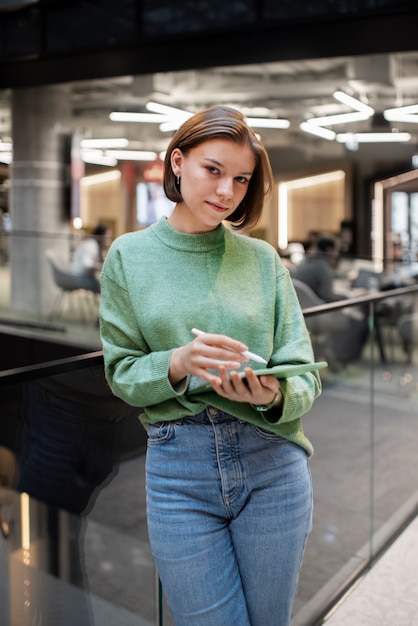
[[225, 187]]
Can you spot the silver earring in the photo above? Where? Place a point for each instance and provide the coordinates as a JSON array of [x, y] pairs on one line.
[[178, 182]]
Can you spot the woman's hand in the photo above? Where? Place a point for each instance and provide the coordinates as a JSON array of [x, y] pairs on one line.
[[257, 390], [207, 352]]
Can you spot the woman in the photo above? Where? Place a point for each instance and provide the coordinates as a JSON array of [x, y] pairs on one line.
[[88, 258], [229, 498]]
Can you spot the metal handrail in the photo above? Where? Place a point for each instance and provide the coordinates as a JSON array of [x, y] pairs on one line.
[[373, 297], [50, 368], [60, 366]]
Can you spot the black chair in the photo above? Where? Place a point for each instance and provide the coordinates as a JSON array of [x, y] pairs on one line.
[[338, 336], [408, 330], [394, 318], [82, 303]]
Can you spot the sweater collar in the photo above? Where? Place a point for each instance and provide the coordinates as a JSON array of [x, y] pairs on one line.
[[202, 242]]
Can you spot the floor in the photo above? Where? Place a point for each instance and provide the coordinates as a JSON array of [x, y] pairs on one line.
[[387, 594]]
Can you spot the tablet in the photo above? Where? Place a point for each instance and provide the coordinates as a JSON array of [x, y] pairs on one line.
[[198, 385]]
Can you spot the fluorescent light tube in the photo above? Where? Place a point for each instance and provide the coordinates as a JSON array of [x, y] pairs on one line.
[[408, 119], [340, 118], [267, 122], [402, 114], [150, 118], [176, 114], [116, 142], [373, 137], [164, 109], [132, 155], [355, 104], [96, 157], [324, 133], [167, 127], [412, 108]]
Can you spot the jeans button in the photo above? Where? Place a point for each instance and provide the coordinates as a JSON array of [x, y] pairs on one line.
[[213, 411]]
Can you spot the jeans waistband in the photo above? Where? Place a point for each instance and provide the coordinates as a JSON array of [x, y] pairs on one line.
[[210, 414]]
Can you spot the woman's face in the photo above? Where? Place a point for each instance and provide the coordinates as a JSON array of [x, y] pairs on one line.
[[214, 180]]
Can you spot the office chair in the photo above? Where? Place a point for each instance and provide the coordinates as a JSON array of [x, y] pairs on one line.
[[408, 329], [82, 302], [393, 316], [338, 336]]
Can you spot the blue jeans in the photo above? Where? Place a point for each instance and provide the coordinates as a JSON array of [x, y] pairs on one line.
[[229, 511]]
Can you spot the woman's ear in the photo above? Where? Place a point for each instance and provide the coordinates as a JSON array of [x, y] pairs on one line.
[[176, 161]]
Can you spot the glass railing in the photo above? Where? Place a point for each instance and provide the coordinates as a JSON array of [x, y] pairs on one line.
[[74, 548], [364, 429], [73, 545]]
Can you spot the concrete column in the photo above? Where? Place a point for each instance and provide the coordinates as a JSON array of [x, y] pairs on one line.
[[40, 126]]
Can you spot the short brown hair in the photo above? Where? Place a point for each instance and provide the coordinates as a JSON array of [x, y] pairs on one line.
[[222, 122]]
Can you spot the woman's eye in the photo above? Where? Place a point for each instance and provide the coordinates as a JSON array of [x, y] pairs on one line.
[[242, 179], [213, 169]]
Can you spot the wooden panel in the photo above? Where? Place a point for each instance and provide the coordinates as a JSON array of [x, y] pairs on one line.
[[320, 207]]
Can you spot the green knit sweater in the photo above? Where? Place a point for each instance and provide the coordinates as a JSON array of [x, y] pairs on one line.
[[158, 283]]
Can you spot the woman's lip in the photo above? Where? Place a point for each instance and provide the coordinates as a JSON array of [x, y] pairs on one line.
[[218, 207]]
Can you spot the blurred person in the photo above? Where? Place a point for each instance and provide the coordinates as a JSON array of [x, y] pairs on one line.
[[229, 493], [311, 241], [317, 269], [89, 256], [5, 231]]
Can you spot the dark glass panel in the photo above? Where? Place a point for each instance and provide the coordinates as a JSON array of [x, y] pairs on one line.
[[164, 16], [299, 10], [90, 25], [21, 33]]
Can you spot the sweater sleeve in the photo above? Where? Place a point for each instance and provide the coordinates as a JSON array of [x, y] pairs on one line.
[[292, 344], [134, 373]]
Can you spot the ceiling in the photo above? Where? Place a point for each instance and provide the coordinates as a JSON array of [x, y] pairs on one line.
[[295, 90]]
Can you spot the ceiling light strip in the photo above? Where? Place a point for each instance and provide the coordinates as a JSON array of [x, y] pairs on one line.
[[313, 129], [355, 104], [267, 122], [132, 155], [373, 137], [406, 110], [340, 118], [150, 118], [114, 142], [164, 109], [96, 157], [408, 119], [170, 119], [402, 114]]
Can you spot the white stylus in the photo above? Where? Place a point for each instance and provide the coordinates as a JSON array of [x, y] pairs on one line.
[[250, 355]]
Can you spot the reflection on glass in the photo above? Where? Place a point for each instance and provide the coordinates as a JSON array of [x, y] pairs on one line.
[[62, 441], [73, 543]]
